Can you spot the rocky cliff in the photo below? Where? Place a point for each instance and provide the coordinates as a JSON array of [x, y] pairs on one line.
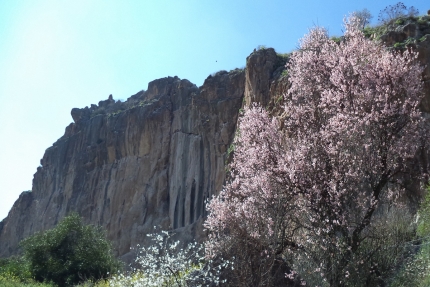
[[154, 159], [150, 161]]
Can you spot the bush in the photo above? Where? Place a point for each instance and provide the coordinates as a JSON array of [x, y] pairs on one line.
[[392, 12], [6, 281], [416, 271], [165, 264], [69, 253], [15, 272], [16, 268]]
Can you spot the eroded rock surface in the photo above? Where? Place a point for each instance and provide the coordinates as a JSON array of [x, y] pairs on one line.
[[152, 164], [413, 34]]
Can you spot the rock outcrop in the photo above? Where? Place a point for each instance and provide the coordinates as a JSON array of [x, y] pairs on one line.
[[154, 163], [151, 161], [412, 33]]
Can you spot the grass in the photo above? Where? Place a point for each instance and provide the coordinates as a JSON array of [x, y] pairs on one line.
[[10, 280]]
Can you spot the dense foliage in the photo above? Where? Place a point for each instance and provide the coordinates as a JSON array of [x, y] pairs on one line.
[[320, 197], [69, 253], [14, 268], [15, 272], [416, 270]]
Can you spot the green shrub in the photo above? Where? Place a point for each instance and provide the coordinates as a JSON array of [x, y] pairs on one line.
[[400, 21], [423, 229], [10, 281], [416, 270], [69, 253], [422, 21], [374, 32], [15, 272], [336, 39], [15, 267]]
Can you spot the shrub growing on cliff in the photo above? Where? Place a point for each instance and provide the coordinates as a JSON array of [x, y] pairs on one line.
[[318, 199], [392, 12], [69, 253]]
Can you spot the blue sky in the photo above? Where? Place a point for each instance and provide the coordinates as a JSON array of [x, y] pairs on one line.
[[57, 55]]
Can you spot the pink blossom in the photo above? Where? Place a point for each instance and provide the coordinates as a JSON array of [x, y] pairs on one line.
[[353, 127]]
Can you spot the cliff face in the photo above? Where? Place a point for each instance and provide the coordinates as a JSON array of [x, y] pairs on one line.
[[413, 35], [151, 161], [152, 164]]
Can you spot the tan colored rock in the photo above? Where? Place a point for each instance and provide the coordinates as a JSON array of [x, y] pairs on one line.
[[260, 66], [153, 164]]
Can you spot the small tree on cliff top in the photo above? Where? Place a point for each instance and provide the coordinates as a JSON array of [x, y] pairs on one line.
[[318, 198]]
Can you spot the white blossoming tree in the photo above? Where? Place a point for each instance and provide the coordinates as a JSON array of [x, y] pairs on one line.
[[165, 264]]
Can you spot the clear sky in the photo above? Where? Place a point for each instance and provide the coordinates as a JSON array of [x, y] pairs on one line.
[[57, 55]]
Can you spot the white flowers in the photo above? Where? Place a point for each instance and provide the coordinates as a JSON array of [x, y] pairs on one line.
[[165, 264]]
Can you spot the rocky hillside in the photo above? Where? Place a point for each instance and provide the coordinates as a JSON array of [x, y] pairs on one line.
[[154, 159]]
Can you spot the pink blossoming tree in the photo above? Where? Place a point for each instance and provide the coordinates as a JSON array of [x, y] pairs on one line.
[[319, 196]]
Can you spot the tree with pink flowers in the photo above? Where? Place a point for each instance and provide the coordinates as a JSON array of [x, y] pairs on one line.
[[317, 202]]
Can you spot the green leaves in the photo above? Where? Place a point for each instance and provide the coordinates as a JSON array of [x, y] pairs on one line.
[[69, 253], [423, 229]]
